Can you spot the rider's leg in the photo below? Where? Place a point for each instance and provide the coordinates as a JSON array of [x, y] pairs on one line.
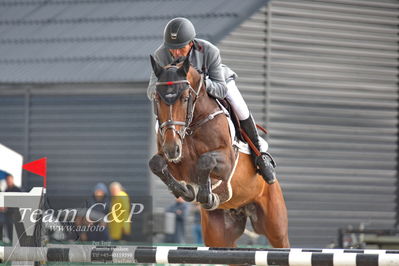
[[264, 162]]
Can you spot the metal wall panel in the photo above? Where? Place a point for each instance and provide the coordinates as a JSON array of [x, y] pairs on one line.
[[323, 77], [52, 41], [87, 138], [12, 121], [245, 51]]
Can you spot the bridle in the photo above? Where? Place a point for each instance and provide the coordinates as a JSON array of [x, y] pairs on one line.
[[192, 100]]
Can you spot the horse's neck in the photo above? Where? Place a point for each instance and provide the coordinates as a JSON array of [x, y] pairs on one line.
[[205, 105]]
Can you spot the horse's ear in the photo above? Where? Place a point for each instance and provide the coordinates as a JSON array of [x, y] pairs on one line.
[[185, 67], [156, 67]]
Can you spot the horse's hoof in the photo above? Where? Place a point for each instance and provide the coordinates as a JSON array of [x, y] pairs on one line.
[[213, 202], [204, 196], [204, 193], [181, 189], [190, 194]]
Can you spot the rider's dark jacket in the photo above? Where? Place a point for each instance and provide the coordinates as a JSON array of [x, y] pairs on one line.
[[205, 57]]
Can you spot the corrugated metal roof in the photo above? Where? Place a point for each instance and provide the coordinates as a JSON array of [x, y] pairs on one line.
[[100, 40]]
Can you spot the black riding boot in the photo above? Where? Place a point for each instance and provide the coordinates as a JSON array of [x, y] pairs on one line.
[[264, 163]]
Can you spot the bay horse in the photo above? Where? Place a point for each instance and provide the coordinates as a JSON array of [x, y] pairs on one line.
[[197, 161]]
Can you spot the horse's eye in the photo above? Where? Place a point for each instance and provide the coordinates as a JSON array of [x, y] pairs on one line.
[[185, 99]]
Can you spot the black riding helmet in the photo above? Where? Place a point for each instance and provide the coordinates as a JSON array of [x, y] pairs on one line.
[[178, 33]]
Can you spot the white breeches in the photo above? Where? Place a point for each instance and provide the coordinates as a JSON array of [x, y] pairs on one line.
[[237, 102]]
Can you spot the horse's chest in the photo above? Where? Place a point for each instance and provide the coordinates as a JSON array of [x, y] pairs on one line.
[[192, 150], [183, 170]]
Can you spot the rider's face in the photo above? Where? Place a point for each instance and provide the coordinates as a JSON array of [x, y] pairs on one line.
[[176, 53]]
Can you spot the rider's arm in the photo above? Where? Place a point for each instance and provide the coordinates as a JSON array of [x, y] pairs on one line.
[[215, 83]]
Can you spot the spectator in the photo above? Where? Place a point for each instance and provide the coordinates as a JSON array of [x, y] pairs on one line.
[[11, 187], [179, 208], [2, 226], [119, 225], [197, 231], [100, 195]]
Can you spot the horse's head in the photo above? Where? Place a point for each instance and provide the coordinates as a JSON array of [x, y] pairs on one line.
[[177, 89]]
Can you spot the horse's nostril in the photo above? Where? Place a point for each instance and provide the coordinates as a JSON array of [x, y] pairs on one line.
[[177, 149]]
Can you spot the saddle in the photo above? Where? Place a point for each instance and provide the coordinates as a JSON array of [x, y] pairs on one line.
[[234, 118], [236, 122]]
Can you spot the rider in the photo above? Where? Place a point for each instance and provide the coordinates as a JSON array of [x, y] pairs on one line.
[[180, 41]]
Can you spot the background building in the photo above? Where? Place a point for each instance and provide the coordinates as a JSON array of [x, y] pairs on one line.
[[322, 76]]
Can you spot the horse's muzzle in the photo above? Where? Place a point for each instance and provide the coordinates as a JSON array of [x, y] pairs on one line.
[[173, 151]]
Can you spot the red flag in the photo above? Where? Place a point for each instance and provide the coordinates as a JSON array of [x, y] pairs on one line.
[[38, 167]]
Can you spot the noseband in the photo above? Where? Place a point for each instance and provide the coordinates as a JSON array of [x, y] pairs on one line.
[[170, 123]]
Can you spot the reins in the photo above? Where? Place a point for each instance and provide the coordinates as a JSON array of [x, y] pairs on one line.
[[192, 100], [188, 126]]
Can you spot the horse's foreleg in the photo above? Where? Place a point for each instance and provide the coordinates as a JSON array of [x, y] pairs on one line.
[[215, 162], [159, 167]]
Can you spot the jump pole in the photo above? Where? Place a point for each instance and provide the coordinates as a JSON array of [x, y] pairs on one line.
[[135, 254]]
